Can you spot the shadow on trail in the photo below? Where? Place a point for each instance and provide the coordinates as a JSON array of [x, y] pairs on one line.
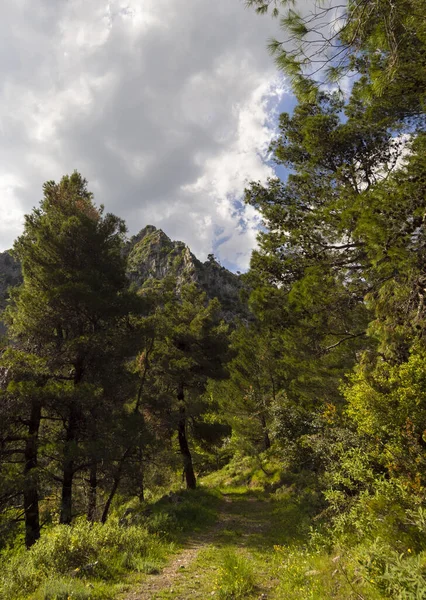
[[258, 521], [210, 522]]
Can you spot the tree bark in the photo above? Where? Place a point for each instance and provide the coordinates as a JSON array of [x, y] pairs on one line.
[[141, 477], [65, 516], [188, 468], [111, 496], [31, 496], [266, 438], [93, 490], [116, 483]]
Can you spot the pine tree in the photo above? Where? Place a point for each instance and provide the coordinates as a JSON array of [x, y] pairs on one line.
[[67, 311], [192, 348], [381, 41]]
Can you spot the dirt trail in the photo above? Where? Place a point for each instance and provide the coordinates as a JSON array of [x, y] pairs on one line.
[[233, 516], [165, 580]]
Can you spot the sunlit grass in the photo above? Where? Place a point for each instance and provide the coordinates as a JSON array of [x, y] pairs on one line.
[[235, 576]]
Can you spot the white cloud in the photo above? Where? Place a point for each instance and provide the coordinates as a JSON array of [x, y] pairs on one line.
[[164, 106], [227, 173], [11, 213]]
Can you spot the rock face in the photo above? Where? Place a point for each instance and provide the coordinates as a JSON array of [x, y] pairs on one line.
[[152, 255], [10, 275]]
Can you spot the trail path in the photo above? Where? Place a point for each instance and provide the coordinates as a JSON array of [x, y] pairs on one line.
[[243, 524]]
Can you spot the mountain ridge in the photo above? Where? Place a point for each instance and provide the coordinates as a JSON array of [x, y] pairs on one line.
[[152, 255]]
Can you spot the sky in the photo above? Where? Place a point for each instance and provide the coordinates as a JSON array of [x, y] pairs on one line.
[[167, 107]]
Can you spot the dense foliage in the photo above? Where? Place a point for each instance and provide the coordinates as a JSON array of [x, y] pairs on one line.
[[339, 275]]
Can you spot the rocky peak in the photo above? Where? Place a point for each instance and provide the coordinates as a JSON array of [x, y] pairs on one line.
[[153, 255], [148, 231]]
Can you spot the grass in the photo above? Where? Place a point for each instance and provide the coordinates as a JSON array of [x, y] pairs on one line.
[[64, 589], [254, 473], [183, 513], [245, 539], [269, 537], [94, 561], [235, 577], [81, 558], [238, 558]]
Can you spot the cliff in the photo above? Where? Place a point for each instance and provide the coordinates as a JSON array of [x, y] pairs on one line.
[[152, 255]]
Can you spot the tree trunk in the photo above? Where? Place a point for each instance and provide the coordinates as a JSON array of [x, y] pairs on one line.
[[93, 489], [116, 483], [141, 477], [188, 468], [31, 497], [266, 438], [68, 468], [65, 516], [111, 496]]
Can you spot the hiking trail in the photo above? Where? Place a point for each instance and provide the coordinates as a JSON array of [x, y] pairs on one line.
[[243, 525]]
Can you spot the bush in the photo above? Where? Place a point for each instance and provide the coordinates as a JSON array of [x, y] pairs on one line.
[[163, 524], [313, 575], [82, 551], [397, 575]]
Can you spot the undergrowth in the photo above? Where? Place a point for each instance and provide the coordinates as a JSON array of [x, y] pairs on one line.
[[276, 538], [80, 558], [91, 560]]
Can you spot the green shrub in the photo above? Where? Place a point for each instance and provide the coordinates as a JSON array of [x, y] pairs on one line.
[[401, 576], [383, 528], [163, 524], [88, 547], [83, 551], [312, 575]]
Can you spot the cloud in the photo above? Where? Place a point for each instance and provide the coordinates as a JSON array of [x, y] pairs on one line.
[[166, 107]]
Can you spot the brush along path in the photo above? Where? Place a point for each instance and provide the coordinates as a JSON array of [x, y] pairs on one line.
[[245, 527]]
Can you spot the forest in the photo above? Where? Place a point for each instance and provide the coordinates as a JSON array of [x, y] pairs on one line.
[[133, 411]]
